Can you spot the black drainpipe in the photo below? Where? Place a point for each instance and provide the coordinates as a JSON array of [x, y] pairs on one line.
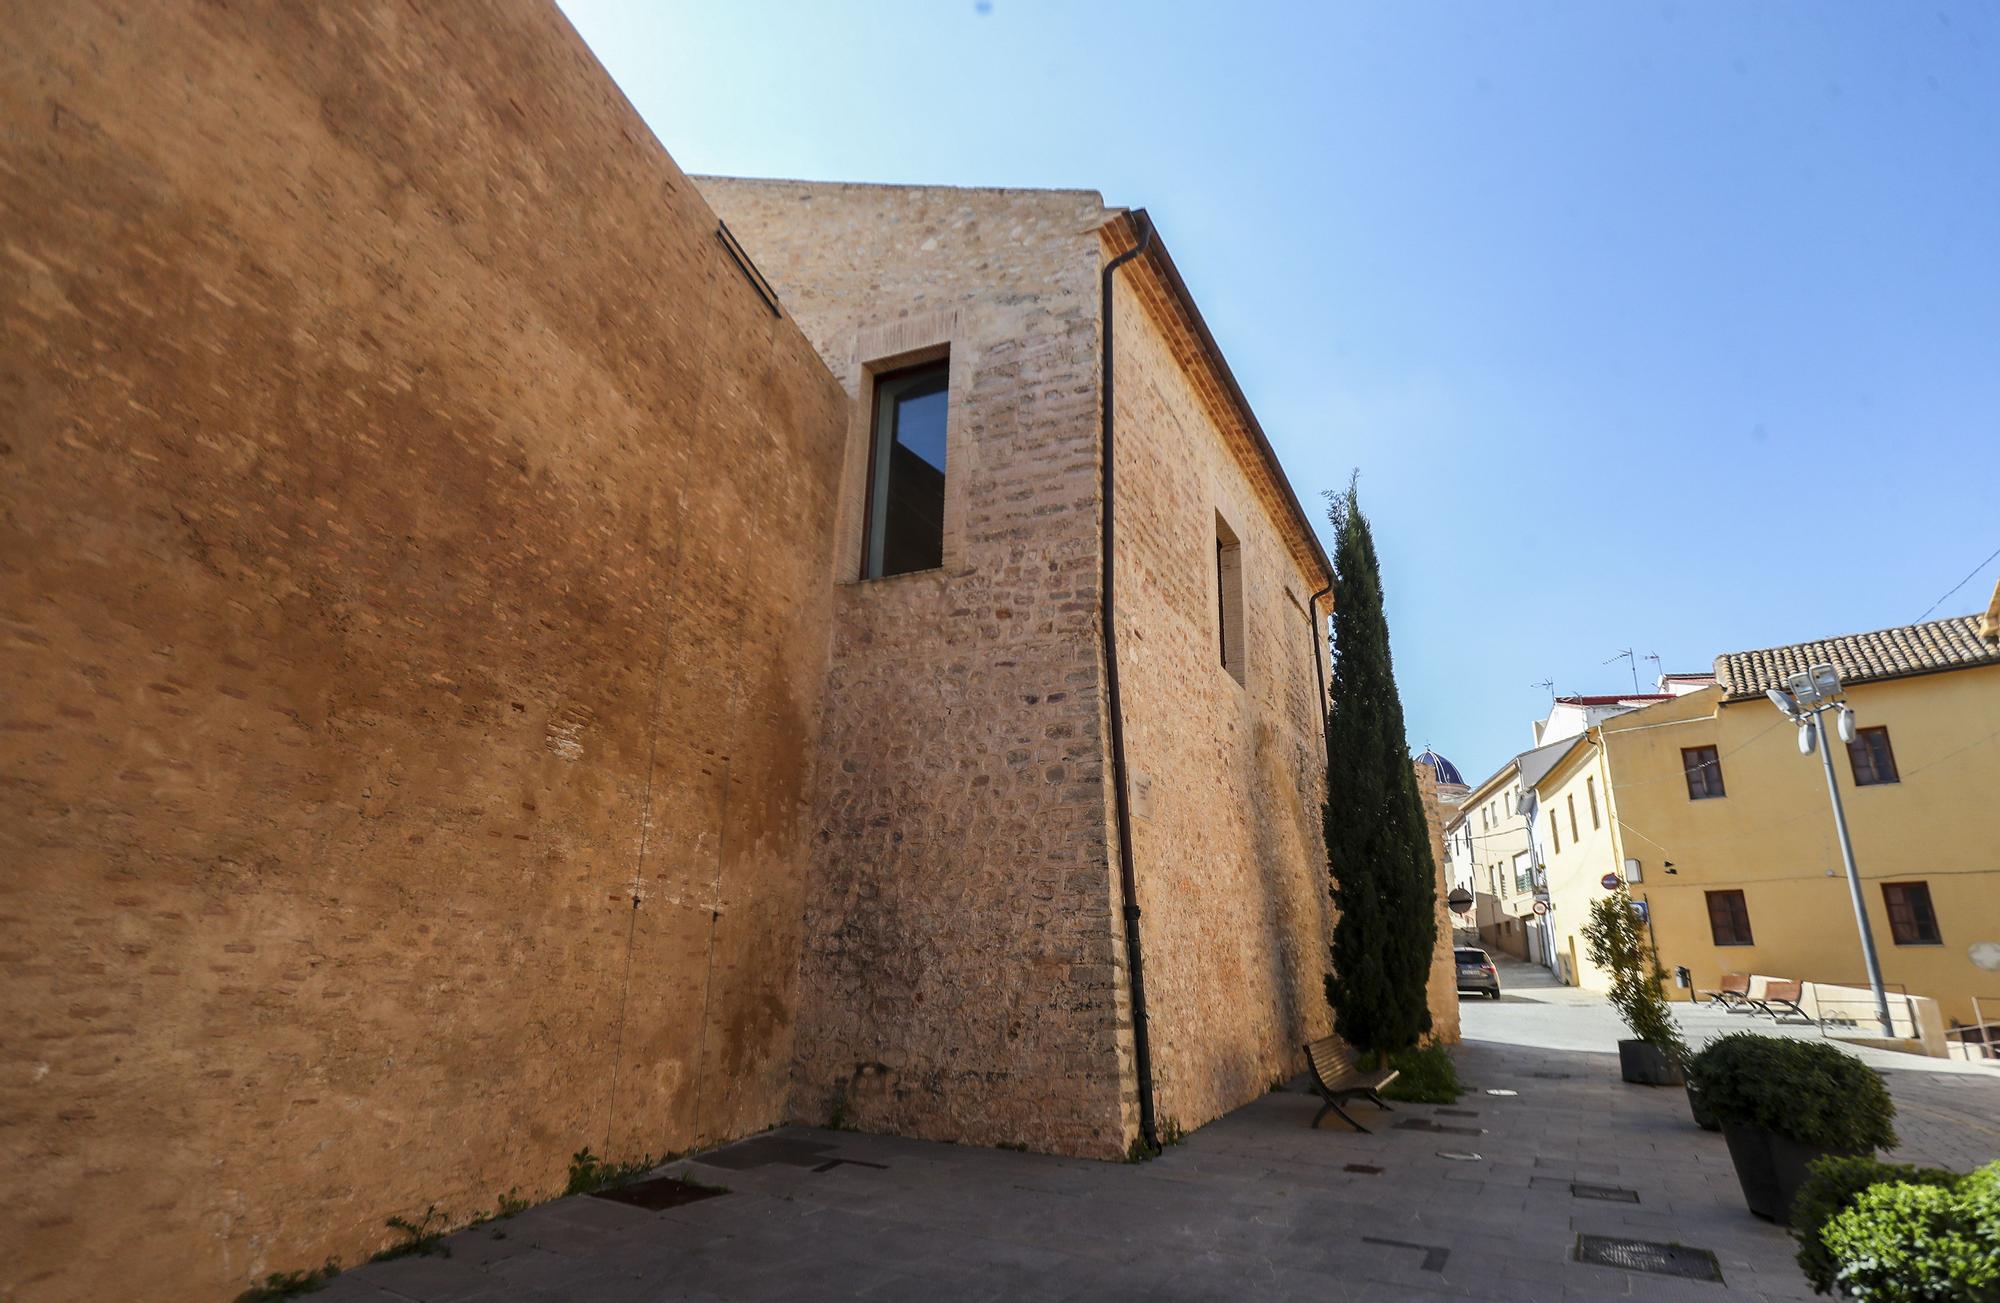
[[1319, 650], [1142, 1050]]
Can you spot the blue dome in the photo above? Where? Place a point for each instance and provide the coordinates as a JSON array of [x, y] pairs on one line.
[[1446, 771]]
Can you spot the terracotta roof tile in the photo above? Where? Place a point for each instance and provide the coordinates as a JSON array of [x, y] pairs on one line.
[[1885, 654]]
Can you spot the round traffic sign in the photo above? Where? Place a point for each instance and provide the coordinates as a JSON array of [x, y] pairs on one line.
[[1541, 907], [1609, 882]]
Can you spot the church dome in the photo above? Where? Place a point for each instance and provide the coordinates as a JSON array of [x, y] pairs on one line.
[[1446, 771]]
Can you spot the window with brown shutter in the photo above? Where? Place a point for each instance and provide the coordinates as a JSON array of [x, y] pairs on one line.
[[1729, 918], [1912, 921], [1590, 788], [1573, 834], [1704, 772], [1871, 758]]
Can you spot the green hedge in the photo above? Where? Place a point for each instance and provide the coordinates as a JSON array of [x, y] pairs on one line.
[[1423, 1076], [1910, 1242], [1810, 1091], [1831, 1189]]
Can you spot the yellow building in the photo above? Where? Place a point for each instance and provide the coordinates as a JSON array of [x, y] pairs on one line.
[[1725, 831], [1575, 839]]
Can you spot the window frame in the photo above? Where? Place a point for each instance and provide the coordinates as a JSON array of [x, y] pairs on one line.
[[1739, 914], [1710, 770], [1862, 737], [1232, 635], [894, 384], [1890, 905], [1590, 790]]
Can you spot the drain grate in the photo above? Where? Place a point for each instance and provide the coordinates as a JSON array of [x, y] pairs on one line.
[[1644, 1255], [1458, 1112], [1460, 1156], [1551, 1076], [1425, 1124], [1504, 1094], [658, 1194], [1363, 1168]]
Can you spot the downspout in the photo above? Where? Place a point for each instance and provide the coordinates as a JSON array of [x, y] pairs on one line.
[[1142, 1051], [1319, 652]]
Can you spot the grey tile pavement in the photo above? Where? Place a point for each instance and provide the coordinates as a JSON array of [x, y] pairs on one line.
[[1253, 1206]]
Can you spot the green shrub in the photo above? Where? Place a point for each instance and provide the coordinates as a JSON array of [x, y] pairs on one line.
[[1914, 1243], [1809, 1091], [1423, 1076], [1830, 1190], [1619, 944]]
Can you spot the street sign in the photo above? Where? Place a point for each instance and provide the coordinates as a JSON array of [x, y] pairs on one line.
[[1541, 908], [1609, 882], [1460, 900]]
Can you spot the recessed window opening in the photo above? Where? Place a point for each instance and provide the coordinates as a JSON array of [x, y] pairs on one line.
[[1229, 598], [906, 470]]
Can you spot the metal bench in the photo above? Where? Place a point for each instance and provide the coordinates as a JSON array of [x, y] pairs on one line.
[[1784, 994], [1336, 1079], [1732, 994]]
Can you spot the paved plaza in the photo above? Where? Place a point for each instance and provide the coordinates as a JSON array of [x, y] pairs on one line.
[[1486, 1199]]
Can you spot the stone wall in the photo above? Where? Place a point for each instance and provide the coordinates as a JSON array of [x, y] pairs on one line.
[[959, 978], [1228, 776], [413, 545], [1444, 971]]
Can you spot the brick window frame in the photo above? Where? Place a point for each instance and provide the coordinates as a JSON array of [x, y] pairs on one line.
[[882, 350]]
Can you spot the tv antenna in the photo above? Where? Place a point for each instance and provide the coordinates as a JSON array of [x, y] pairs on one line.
[[1627, 656], [1548, 685], [1659, 670]]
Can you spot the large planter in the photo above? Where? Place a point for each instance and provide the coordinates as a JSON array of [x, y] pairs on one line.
[[1646, 1064], [1703, 1118], [1771, 1168]]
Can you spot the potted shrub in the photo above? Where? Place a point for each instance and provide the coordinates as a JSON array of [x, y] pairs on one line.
[[1617, 942], [1783, 1103], [1920, 1240], [1831, 1188]]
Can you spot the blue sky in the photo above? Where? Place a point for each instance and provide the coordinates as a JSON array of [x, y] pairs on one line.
[[1667, 326]]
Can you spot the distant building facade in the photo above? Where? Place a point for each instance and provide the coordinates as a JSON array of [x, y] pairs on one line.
[[1727, 831]]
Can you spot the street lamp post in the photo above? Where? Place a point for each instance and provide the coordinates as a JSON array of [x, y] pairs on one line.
[[1804, 699]]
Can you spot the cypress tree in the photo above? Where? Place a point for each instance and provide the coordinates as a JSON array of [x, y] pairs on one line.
[[1384, 881]]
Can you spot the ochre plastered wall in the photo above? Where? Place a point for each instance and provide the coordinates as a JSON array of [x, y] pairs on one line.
[[1228, 776], [413, 545], [959, 976]]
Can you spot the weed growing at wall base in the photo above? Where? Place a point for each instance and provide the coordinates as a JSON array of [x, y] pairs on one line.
[[1424, 1076], [291, 1284], [424, 1236]]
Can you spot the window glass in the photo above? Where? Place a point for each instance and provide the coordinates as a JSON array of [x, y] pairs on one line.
[[906, 473], [1912, 921], [1704, 772], [1874, 763], [1729, 918]]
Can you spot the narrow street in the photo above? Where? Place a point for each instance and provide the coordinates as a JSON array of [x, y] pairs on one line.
[[1485, 1199]]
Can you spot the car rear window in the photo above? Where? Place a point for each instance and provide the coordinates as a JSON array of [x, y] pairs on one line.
[[1472, 956]]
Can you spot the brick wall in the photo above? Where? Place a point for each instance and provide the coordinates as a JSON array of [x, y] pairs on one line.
[[1230, 775], [413, 531], [959, 977]]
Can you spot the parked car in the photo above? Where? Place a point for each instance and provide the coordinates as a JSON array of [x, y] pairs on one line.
[[1476, 972]]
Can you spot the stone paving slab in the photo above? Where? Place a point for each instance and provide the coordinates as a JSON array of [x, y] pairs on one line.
[[1256, 1205]]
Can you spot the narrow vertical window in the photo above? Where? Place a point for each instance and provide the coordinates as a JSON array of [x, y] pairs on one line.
[[1871, 758], [1912, 921], [1229, 599], [906, 473], [1703, 768], [1590, 789], [1574, 835], [1729, 918], [1555, 834]]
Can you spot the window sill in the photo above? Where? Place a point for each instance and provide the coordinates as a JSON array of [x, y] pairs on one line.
[[1917, 945], [889, 579]]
